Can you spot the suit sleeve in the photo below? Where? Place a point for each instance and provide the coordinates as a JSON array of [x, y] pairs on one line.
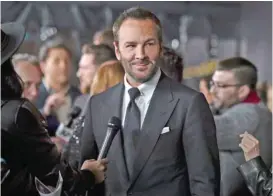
[[89, 149], [231, 124], [257, 177], [201, 150]]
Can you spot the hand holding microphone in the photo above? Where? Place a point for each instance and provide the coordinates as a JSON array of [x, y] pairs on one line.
[[114, 125], [97, 167]]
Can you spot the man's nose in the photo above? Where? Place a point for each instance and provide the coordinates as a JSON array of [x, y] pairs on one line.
[[140, 53]]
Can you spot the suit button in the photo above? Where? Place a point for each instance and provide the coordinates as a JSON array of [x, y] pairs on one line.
[[130, 193]]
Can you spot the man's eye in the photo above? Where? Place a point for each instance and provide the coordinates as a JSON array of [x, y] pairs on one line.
[[150, 44], [130, 46]]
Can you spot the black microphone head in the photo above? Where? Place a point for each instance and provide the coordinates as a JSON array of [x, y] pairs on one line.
[[75, 112], [114, 122]]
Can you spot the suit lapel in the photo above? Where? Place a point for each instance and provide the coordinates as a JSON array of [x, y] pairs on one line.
[[114, 108], [161, 107]]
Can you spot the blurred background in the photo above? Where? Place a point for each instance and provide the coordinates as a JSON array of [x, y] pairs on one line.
[[201, 32]]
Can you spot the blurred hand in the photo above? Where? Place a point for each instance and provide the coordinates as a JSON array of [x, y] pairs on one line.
[[250, 146], [53, 101], [59, 142], [98, 168]]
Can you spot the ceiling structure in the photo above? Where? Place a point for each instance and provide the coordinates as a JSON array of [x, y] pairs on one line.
[[86, 15], [79, 20]]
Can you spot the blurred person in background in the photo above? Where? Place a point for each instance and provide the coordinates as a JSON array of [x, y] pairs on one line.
[[92, 57], [28, 68], [171, 64], [26, 149], [108, 75], [104, 37], [233, 89], [256, 174], [56, 95]]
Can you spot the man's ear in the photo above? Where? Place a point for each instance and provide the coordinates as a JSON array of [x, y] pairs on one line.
[[243, 92], [117, 52]]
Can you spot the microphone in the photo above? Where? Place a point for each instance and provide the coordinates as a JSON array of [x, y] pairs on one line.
[[114, 125]]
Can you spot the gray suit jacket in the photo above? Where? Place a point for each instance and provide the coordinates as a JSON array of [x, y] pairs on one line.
[[256, 119], [182, 162]]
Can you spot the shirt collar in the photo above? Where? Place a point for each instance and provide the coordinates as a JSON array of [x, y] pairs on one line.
[[146, 89]]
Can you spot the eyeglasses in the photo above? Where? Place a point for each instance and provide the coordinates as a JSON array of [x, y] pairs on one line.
[[217, 85]]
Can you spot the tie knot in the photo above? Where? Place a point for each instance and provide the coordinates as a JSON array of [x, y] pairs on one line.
[[133, 93]]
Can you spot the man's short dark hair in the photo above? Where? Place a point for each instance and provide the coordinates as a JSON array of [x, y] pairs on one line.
[[101, 52], [172, 64], [139, 14], [50, 44], [245, 72]]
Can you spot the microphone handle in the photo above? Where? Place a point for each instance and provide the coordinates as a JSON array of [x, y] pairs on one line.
[[106, 144]]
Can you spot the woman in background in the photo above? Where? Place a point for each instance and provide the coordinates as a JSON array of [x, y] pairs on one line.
[[108, 75]]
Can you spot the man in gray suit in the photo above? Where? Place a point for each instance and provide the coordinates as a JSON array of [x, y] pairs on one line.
[[167, 145], [234, 94]]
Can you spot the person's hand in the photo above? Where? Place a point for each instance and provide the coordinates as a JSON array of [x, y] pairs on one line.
[[59, 142], [98, 168], [54, 101], [250, 146]]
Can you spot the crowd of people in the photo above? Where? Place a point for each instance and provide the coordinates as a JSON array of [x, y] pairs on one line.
[[173, 140]]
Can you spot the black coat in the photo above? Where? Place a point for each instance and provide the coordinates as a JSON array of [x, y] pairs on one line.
[[29, 152], [257, 177]]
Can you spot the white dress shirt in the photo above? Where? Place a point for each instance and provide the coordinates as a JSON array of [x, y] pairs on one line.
[[143, 101]]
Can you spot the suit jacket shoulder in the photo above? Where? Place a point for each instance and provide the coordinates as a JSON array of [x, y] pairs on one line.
[[182, 91], [104, 96]]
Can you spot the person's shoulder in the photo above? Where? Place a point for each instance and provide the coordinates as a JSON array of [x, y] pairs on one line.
[[107, 93], [28, 115], [243, 112], [181, 90], [21, 113], [244, 108]]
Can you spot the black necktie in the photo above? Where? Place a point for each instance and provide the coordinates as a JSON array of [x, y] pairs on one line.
[[131, 129]]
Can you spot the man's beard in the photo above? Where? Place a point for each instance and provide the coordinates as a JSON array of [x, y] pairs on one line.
[[128, 69]]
